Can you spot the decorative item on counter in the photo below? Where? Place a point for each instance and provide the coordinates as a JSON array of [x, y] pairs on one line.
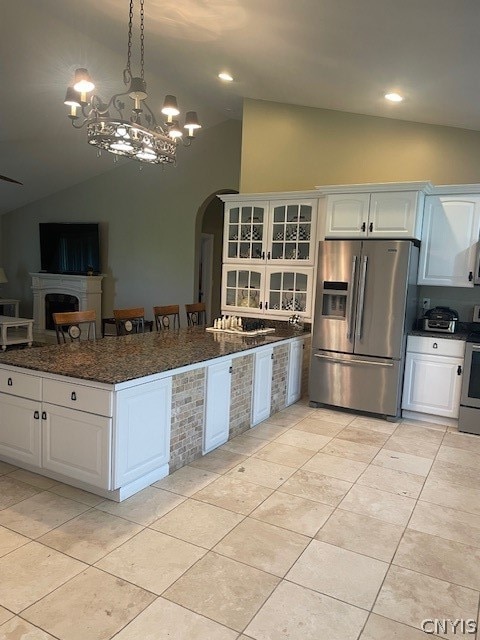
[[235, 324], [296, 322]]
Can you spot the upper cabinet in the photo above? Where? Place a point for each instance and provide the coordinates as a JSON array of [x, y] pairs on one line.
[[270, 232], [450, 235], [383, 214]]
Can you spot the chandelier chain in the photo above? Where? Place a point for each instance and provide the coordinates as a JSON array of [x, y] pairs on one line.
[[129, 46], [142, 38]]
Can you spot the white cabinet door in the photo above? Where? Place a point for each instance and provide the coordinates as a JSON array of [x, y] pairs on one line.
[[347, 215], [77, 444], [292, 232], [245, 232], [288, 291], [450, 232], [262, 385], [432, 384], [20, 429], [217, 405], [294, 381], [143, 430], [243, 290], [394, 215]]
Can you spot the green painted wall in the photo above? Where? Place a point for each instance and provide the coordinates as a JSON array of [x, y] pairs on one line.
[[286, 147]]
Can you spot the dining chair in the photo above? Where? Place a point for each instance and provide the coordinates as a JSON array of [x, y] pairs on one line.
[[167, 317], [72, 325], [196, 314], [129, 321]]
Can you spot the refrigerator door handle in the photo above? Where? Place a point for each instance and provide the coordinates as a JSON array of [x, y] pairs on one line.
[[350, 309], [343, 361], [361, 298]]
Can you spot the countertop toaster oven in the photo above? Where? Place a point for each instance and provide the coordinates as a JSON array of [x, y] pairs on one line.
[[441, 319]]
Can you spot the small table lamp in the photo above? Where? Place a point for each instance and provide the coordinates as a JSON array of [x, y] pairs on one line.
[[3, 277]]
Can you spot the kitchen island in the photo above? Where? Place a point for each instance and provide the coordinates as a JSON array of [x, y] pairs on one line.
[[114, 415]]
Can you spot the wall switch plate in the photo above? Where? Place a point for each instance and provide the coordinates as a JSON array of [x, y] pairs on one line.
[[476, 313], [425, 304]]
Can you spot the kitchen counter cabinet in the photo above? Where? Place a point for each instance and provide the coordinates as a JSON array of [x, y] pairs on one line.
[[383, 215], [113, 438], [433, 378]]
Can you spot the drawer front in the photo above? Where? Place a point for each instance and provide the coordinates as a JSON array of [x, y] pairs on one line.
[[21, 384], [77, 396], [436, 346]]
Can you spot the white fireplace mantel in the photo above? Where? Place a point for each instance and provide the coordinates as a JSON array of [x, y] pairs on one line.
[[87, 289]]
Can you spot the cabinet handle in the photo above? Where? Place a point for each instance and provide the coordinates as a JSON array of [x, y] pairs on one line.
[[263, 255], [470, 276], [268, 255], [435, 345], [260, 305], [370, 226], [44, 415], [271, 356], [10, 382], [73, 396], [230, 369], [364, 226], [36, 415], [459, 370], [266, 306]]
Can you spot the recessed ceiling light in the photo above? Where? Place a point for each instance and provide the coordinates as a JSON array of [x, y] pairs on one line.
[[226, 77], [394, 97]]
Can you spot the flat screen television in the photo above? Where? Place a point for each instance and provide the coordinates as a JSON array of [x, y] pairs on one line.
[[72, 248]]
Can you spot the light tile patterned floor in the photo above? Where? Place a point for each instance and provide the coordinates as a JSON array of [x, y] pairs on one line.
[[314, 525]]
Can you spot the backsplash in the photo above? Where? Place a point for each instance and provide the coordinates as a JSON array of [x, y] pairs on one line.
[[458, 298]]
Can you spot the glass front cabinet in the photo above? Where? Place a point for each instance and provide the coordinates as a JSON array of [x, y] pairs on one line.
[[267, 291], [270, 232], [269, 253]]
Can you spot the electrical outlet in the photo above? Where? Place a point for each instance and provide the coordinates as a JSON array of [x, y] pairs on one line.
[[426, 304]]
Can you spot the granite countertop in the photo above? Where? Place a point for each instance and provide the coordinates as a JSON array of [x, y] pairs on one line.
[[112, 360], [458, 335]]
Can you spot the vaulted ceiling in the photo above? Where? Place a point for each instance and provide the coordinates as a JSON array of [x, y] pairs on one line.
[[335, 54]]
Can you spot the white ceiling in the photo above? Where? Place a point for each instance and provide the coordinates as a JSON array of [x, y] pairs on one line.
[[336, 54]]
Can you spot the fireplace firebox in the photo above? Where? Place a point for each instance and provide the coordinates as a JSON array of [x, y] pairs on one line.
[[58, 303]]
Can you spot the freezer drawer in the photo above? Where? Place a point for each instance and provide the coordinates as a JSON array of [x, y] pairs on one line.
[[356, 382]]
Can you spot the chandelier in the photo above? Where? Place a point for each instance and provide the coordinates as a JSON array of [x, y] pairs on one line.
[[136, 134]]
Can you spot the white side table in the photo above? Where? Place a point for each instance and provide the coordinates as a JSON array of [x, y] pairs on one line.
[[15, 331], [10, 302]]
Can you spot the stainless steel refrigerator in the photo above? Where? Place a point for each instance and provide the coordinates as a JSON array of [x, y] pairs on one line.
[[366, 301]]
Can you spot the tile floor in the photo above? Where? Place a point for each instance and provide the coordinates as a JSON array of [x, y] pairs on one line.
[[315, 524]]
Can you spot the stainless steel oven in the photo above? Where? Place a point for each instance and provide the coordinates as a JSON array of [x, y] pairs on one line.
[[469, 416]]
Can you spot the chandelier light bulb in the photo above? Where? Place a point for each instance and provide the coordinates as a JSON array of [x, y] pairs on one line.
[[83, 83], [191, 123], [175, 131], [170, 108]]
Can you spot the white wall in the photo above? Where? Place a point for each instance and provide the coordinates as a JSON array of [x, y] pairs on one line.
[[147, 223]]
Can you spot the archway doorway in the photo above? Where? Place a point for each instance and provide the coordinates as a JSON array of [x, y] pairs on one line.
[[208, 251]]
